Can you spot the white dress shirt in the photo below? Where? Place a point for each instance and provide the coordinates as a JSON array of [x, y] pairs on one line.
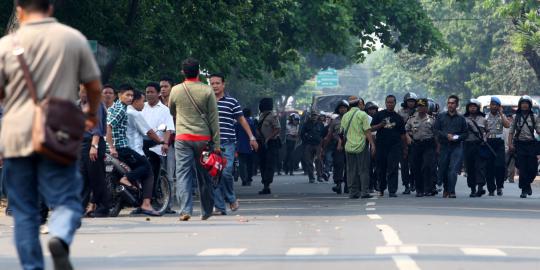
[[155, 116], [137, 128]]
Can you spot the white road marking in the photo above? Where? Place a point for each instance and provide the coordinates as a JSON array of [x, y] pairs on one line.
[[479, 246], [396, 250], [371, 204], [370, 209], [404, 262], [390, 235], [222, 252], [307, 251], [483, 252], [117, 254], [374, 217]]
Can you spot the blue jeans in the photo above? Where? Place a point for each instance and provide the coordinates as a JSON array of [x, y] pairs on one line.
[[450, 160], [224, 192], [188, 168], [60, 186]]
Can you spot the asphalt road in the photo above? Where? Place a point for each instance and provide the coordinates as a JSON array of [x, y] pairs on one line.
[[305, 226]]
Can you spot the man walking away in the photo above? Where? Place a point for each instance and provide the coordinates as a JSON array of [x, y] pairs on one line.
[[391, 145], [245, 151], [496, 122], [229, 113], [521, 141], [59, 58], [355, 127], [312, 135], [475, 155], [268, 130], [420, 128], [451, 129], [194, 130]]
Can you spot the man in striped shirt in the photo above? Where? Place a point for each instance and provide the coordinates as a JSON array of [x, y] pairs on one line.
[[229, 112]]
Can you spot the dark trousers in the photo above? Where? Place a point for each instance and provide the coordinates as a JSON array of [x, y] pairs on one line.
[[475, 165], [289, 156], [496, 171], [339, 166], [358, 172], [267, 158], [93, 175], [405, 164], [450, 160], [245, 167], [141, 171], [423, 160], [312, 153], [527, 163], [387, 158]]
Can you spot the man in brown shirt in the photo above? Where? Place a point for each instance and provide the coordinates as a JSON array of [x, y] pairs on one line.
[[59, 58]]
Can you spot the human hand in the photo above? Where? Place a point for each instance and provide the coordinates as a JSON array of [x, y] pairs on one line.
[[93, 154]]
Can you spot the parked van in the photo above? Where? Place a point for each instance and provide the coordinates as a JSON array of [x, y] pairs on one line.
[[509, 104]]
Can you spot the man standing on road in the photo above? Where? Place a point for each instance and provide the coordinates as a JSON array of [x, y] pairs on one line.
[[268, 130], [197, 123], [165, 85], [355, 127], [420, 128], [475, 155], [59, 58], [451, 129], [521, 141], [229, 112], [391, 145], [157, 115], [312, 135], [245, 151], [496, 171], [407, 110], [336, 145]]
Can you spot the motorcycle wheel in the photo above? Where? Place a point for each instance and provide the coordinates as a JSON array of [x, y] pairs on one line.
[[116, 200]]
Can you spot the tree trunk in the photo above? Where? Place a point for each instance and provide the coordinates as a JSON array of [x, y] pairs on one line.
[[533, 59]]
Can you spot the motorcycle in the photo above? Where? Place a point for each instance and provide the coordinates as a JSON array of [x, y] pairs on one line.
[[122, 196]]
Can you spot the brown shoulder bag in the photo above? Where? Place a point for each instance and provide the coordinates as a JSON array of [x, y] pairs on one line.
[[58, 124]]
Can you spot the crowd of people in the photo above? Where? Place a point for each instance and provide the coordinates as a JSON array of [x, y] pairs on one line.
[[367, 148]]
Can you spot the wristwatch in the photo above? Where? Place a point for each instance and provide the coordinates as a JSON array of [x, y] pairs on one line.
[[95, 146], [252, 138]]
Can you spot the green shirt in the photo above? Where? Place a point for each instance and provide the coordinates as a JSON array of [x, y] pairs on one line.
[[356, 134]]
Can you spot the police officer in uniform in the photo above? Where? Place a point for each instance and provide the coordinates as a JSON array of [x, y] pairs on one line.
[[333, 142], [496, 121], [406, 111], [475, 157], [420, 128], [521, 141], [371, 109]]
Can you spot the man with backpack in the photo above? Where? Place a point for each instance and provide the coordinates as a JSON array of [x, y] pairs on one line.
[[312, 135]]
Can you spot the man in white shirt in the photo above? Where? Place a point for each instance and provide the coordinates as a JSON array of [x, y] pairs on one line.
[[157, 115], [137, 126]]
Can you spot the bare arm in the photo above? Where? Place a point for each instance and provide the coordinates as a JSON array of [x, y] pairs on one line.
[[109, 140], [93, 90]]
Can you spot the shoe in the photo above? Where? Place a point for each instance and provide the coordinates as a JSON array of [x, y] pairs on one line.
[[523, 195], [319, 180], [366, 196], [472, 195], [278, 173], [371, 191], [392, 195], [248, 184], [491, 193], [345, 189], [529, 192], [419, 194], [381, 193], [452, 195], [99, 213], [206, 217], [429, 194], [244, 184], [184, 217], [354, 197], [480, 192], [265, 191], [499, 192], [445, 194], [337, 188], [234, 206], [169, 211], [407, 191], [291, 174], [311, 181], [219, 213], [60, 254], [413, 188]]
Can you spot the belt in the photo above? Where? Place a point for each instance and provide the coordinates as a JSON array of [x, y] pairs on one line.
[[424, 140]]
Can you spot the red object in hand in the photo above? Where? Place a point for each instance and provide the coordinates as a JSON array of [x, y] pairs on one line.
[[213, 163]]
